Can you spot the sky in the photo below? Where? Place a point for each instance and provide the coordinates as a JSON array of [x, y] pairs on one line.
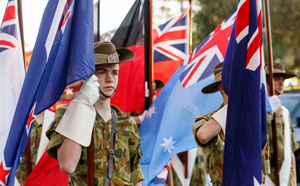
[[112, 13], [33, 12]]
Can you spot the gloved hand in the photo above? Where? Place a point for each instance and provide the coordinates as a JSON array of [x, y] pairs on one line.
[[220, 116], [142, 117], [274, 102], [78, 120]]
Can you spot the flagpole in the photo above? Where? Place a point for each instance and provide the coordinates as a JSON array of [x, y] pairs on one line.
[[190, 51], [91, 148], [148, 54], [271, 84], [98, 22], [20, 15], [28, 146]]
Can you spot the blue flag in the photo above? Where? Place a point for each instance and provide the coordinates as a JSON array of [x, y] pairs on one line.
[[63, 53], [167, 127], [242, 80]]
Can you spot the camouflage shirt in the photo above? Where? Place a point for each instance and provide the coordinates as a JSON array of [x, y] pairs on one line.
[[198, 175], [35, 136], [280, 141], [213, 151], [126, 169]]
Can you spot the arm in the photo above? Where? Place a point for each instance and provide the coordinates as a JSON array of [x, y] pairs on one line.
[[140, 118], [138, 184], [66, 162], [76, 125], [136, 119], [208, 131]]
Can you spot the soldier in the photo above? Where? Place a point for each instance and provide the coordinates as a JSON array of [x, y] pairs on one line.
[[286, 143], [209, 133], [116, 138]]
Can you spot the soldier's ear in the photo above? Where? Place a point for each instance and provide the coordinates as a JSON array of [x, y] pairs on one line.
[[219, 86]]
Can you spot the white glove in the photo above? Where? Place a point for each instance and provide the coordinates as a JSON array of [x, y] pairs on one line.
[[274, 102], [220, 116], [78, 121], [142, 117]]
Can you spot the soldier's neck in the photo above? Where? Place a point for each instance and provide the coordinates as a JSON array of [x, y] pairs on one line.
[[103, 108]]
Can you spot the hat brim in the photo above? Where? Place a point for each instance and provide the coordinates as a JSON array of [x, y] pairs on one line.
[[211, 88], [125, 55], [285, 75]]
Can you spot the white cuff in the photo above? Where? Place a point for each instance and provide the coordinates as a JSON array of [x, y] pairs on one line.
[[220, 116], [77, 123]]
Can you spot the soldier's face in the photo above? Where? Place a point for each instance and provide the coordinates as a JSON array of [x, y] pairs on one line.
[[108, 77], [278, 82]]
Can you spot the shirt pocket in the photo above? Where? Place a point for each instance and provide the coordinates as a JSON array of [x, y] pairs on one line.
[[121, 155]]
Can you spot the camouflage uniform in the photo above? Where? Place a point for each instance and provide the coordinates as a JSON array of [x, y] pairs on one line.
[[214, 153], [35, 136], [126, 169], [199, 173], [280, 141]]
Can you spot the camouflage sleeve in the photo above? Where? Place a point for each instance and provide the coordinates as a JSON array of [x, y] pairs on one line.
[[55, 138], [265, 159], [199, 122], [295, 145], [135, 154]]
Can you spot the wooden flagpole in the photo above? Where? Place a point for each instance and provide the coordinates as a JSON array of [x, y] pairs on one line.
[[190, 51], [28, 146], [90, 159], [271, 84], [91, 148]]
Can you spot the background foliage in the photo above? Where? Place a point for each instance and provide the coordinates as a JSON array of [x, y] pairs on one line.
[[285, 25]]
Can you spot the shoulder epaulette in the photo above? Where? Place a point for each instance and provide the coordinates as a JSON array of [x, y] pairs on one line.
[[206, 117]]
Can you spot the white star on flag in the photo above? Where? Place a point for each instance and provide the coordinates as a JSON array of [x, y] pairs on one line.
[[168, 144], [69, 91], [151, 111]]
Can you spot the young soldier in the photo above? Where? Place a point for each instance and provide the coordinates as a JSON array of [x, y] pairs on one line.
[[207, 132], [116, 138], [286, 143]]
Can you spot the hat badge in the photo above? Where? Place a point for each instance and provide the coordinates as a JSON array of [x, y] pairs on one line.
[[111, 58]]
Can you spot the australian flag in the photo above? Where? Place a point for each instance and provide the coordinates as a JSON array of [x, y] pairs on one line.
[[63, 53], [167, 127], [242, 80]]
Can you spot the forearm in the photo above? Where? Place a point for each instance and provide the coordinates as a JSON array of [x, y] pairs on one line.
[[138, 184], [68, 155], [136, 119], [208, 131]]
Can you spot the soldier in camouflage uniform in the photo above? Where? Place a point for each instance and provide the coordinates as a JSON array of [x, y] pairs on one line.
[[213, 146], [209, 133], [286, 143], [71, 131]]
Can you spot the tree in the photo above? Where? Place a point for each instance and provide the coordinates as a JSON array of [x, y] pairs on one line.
[[210, 15], [285, 26]]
